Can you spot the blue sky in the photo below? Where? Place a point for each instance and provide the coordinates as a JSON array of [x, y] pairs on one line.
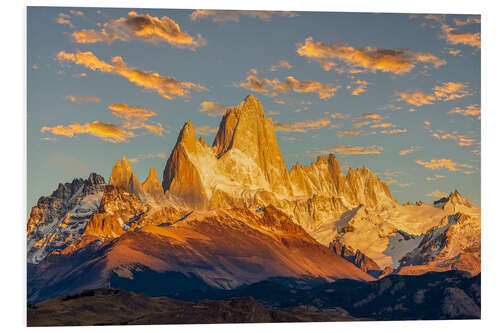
[[398, 93]]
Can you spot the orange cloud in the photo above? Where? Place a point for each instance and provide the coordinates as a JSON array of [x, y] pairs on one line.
[[365, 58], [451, 90], [445, 92], [416, 98], [444, 163], [394, 131], [165, 86], [301, 126], [410, 150], [83, 99], [437, 194], [105, 131], [339, 115], [234, 15], [471, 110], [213, 109], [64, 19], [135, 118], [357, 150], [467, 38], [140, 26], [275, 87], [360, 88], [282, 64], [382, 125], [205, 130], [343, 134], [435, 177]]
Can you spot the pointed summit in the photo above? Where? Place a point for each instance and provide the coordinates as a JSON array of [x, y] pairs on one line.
[[123, 177], [152, 187], [245, 129]]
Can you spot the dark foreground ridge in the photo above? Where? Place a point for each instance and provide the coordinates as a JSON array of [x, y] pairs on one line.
[[443, 295], [120, 307]]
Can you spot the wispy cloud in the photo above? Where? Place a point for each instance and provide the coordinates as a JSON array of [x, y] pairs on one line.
[[435, 177], [352, 150], [345, 133], [471, 110], [165, 86], [444, 163], [205, 130], [83, 99], [409, 150], [453, 36], [106, 131], [301, 126], [365, 58], [140, 26], [135, 118], [437, 194], [213, 109], [447, 91], [234, 15], [274, 87], [281, 64]]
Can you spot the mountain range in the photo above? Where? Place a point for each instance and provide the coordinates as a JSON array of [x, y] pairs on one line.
[[232, 214]]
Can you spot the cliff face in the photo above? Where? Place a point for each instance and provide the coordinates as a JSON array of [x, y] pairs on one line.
[[245, 168], [59, 219]]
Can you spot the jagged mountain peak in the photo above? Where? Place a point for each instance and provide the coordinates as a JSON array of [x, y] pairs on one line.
[[123, 177], [452, 201]]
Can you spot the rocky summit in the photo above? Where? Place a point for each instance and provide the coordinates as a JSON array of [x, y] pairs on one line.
[[232, 214]]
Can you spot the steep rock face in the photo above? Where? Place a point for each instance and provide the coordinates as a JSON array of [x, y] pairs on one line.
[[181, 177], [118, 209], [152, 188], [355, 256], [246, 129], [455, 245], [245, 168], [59, 219], [453, 202], [123, 177]]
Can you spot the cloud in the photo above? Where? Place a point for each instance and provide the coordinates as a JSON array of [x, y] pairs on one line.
[[353, 150], [360, 88], [339, 116], [416, 98], [106, 131], [366, 58], [447, 91], [301, 126], [234, 15], [135, 118], [64, 19], [140, 26], [281, 64], [451, 90], [366, 119], [444, 163], [471, 110], [382, 125], [467, 38], [142, 157], [165, 86], [343, 134], [276, 87], [205, 130], [213, 109], [83, 99], [272, 113], [453, 37], [410, 150], [435, 177], [394, 131], [460, 139], [437, 194]]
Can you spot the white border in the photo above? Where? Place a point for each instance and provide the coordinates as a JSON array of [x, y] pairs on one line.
[[13, 190]]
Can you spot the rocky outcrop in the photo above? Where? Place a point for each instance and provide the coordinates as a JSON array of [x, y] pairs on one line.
[[123, 177], [452, 202], [356, 257], [456, 245], [116, 213], [59, 219], [153, 189]]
